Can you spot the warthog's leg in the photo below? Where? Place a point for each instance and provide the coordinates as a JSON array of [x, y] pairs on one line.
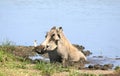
[[64, 62]]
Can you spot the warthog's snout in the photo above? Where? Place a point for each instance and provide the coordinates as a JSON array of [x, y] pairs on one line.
[[39, 49], [46, 47]]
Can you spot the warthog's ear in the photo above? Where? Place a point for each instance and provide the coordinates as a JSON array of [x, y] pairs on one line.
[[54, 27], [60, 29]]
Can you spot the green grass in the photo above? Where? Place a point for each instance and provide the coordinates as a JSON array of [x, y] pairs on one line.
[[11, 65], [1, 74], [7, 58], [10, 61], [117, 69], [49, 69], [77, 73], [6, 49], [46, 68]]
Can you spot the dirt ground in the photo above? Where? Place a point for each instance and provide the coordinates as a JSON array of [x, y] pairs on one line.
[[95, 72]]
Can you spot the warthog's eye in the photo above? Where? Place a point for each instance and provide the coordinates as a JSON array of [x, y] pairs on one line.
[[53, 35]]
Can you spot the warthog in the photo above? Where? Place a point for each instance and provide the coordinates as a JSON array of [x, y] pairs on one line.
[[55, 41]]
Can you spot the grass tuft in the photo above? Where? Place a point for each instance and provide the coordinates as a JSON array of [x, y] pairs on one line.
[[48, 68], [77, 73], [117, 69], [7, 46], [6, 54], [1, 74]]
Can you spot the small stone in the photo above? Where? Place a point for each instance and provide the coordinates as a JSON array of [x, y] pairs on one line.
[[90, 66]]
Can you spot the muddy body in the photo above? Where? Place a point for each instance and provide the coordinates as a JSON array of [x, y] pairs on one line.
[[59, 48]]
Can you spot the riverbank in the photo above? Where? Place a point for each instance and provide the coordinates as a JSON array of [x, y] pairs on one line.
[[14, 62]]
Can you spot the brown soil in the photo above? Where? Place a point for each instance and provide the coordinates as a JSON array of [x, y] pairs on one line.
[[95, 72], [23, 51]]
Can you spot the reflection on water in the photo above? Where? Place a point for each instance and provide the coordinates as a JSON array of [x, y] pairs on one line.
[[92, 60], [103, 60], [39, 57]]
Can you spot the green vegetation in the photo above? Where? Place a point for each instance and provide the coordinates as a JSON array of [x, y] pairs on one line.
[[77, 73], [4, 53], [46, 68], [11, 65], [7, 45], [1, 74], [117, 69], [49, 69]]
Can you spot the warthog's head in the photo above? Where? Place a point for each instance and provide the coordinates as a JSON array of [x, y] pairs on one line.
[[39, 49], [51, 41]]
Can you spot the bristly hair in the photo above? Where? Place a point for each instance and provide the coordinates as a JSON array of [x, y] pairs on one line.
[[54, 27], [60, 27]]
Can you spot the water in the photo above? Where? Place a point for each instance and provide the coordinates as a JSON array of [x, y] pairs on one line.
[[103, 60], [93, 60], [92, 23], [39, 57], [105, 57]]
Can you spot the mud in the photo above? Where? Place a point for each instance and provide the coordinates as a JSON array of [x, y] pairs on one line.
[[23, 51], [100, 67], [82, 48]]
